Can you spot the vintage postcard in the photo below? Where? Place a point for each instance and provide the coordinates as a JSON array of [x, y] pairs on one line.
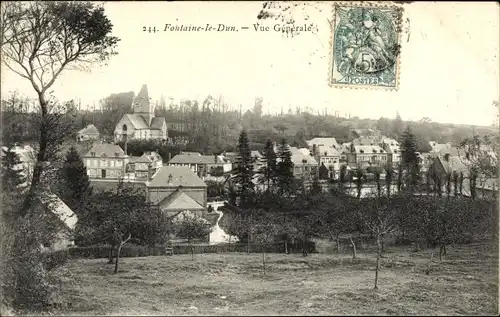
[[246, 158], [366, 42]]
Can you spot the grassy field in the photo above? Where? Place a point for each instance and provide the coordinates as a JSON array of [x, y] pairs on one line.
[[466, 283]]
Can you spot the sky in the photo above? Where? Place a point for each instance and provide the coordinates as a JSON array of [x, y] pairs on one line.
[[449, 67]]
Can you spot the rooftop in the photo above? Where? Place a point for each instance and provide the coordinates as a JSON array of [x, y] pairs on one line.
[[105, 150], [175, 176], [90, 129]]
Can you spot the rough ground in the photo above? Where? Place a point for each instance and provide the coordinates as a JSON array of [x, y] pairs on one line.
[[466, 283]]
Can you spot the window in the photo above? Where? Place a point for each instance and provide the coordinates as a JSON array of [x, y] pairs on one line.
[[361, 151], [118, 163], [87, 162], [111, 163], [92, 154], [117, 154], [118, 173], [104, 163], [94, 163]]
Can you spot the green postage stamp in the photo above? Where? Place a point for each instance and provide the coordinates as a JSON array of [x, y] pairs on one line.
[[365, 46]]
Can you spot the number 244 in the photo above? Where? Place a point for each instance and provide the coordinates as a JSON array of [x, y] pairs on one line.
[[149, 29]]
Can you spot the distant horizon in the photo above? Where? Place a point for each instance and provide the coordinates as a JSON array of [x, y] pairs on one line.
[[449, 65], [274, 113]]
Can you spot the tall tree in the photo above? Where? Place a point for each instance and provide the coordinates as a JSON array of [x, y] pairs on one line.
[[244, 170], [286, 179], [269, 170], [397, 126], [409, 158], [45, 39], [75, 185]]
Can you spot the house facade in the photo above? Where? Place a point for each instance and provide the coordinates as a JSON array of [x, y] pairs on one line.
[[201, 164], [106, 161], [88, 133], [366, 155], [142, 124], [329, 157], [304, 166], [393, 149], [177, 188]]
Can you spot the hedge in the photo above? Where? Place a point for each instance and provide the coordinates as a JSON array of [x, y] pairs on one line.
[[100, 251]]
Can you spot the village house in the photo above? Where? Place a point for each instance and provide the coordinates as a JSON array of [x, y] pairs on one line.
[[106, 161], [142, 124], [446, 168], [176, 189], [366, 155], [304, 166], [67, 220], [325, 142], [327, 156], [202, 164], [139, 167], [88, 133], [393, 150]]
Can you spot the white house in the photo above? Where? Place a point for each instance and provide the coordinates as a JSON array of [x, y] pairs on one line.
[[142, 124]]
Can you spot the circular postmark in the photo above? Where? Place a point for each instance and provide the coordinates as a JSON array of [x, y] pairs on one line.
[[366, 41]]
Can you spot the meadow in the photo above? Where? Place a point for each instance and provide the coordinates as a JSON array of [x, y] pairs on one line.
[[411, 283]]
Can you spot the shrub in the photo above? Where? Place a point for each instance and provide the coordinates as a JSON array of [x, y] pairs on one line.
[[54, 259]]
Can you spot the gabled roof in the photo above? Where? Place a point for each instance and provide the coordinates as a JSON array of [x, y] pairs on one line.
[[300, 159], [323, 141], [195, 159], [330, 151], [90, 129], [157, 123], [179, 200], [60, 209], [175, 176], [106, 149], [454, 163], [139, 159], [137, 121], [366, 140], [369, 149]]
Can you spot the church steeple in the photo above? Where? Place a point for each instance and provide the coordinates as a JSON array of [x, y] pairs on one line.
[[142, 106]]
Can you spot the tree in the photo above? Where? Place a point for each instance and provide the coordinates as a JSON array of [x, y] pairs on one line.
[[285, 168], [389, 175], [397, 126], [244, 170], [75, 184], [360, 175], [190, 226], [316, 188], [269, 170], [264, 232], [409, 158], [13, 174], [120, 216], [44, 39], [379, 216]]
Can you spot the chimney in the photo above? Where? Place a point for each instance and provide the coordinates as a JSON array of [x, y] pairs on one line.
[[125, 147], [151, 172], [215, 158], [170, 179]]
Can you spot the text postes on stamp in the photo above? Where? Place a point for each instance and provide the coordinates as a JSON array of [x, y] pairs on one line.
[[365, 46]]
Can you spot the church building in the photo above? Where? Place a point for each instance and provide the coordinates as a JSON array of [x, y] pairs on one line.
[[142, 123]]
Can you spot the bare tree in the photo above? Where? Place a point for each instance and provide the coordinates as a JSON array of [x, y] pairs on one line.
[[40, 40]]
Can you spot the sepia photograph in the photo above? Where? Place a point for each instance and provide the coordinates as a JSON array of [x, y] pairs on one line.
[[246, 158]]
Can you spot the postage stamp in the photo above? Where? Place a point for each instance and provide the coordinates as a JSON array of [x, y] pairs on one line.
[[365, 46]]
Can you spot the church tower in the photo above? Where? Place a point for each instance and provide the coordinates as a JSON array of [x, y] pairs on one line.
[[142, 106]]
